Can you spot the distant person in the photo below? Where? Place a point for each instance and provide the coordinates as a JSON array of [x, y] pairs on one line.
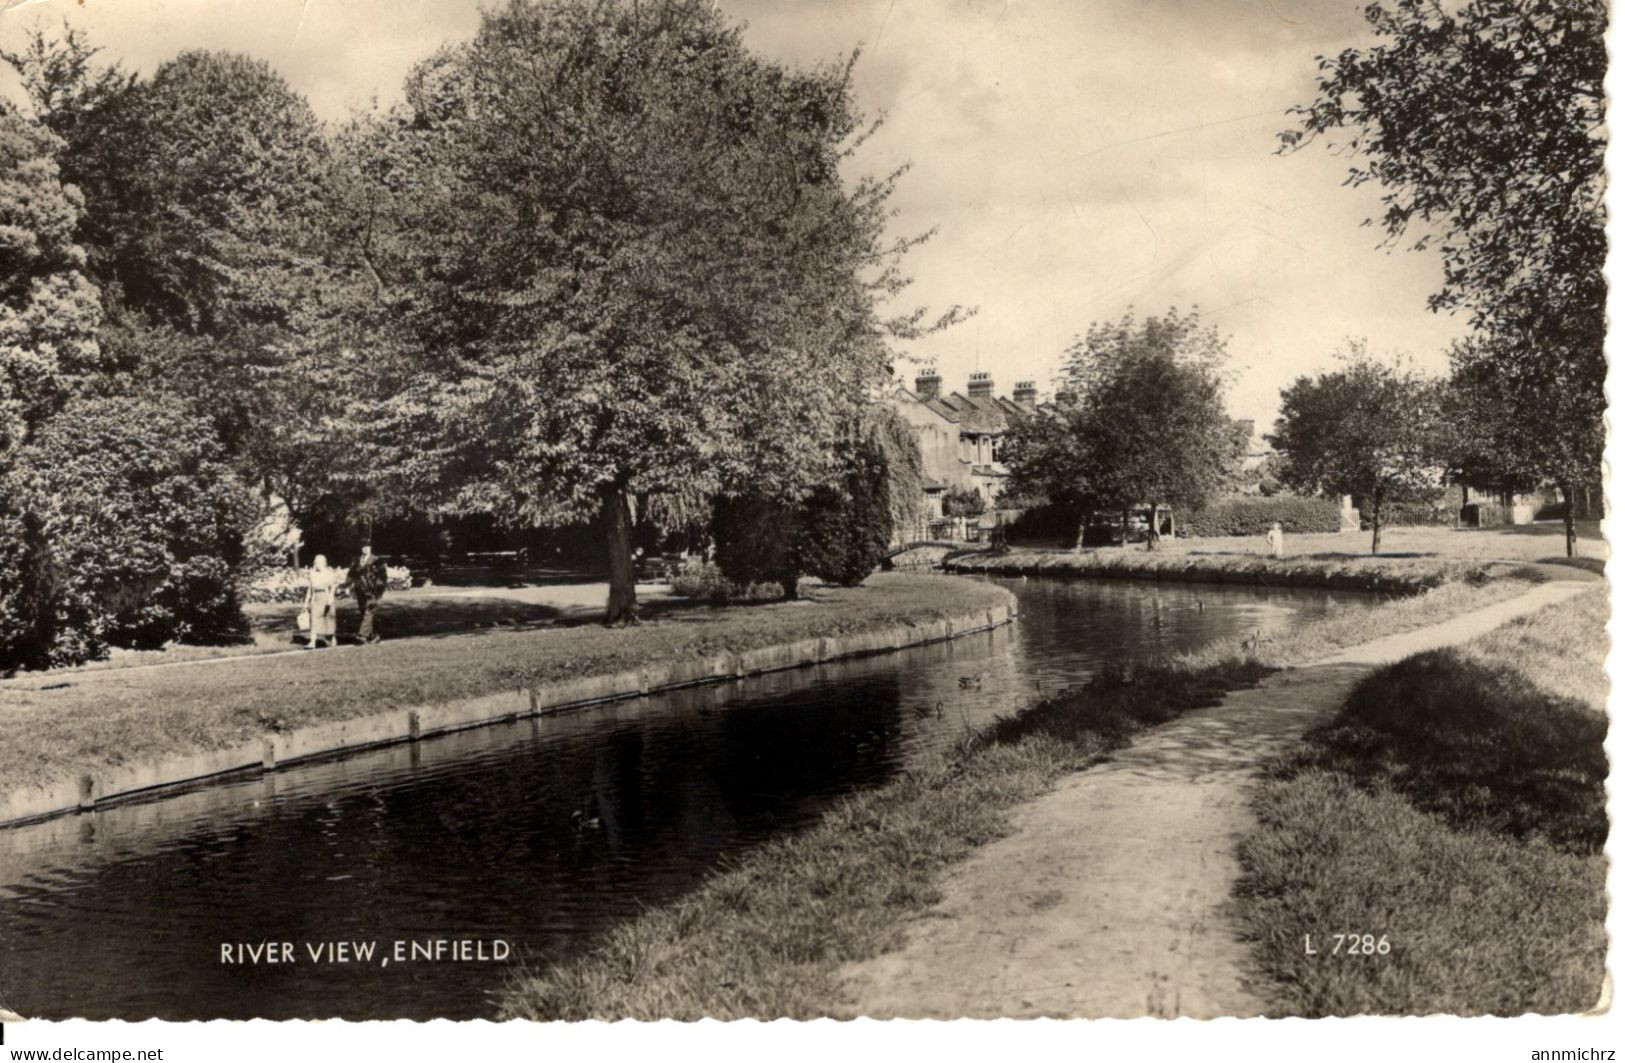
[[321, 603], [1277, 540], [369, 578]]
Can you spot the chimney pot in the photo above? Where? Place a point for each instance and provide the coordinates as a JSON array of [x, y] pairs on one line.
[[981, 385], [1025, 395], [927, 384]]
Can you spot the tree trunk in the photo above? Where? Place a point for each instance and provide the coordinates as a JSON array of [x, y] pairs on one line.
[[1152, 533], [789, 585], [1376, 527], [1124, 543], [1083, 528], [622, 608], [1569, 534]]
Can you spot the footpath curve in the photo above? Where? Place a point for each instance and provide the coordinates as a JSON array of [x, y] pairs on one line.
[[1110, 897]]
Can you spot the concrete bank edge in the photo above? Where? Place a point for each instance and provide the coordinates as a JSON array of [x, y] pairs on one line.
[[272, 752]]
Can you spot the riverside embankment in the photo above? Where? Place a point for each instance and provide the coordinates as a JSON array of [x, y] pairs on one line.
[[775, 935], [76, 741], [552, 832]]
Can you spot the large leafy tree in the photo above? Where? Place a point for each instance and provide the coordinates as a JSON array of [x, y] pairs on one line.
[[49, 315], [207, 221], [624, 264], [49, 310], [1138, 420], [1483, 123], [1370, 429]]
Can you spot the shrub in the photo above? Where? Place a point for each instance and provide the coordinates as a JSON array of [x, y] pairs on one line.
[[840, 532], [963, 502], [1253, 515], [144, 523], [844, 533], [704, 580], [1051, 520], [755, 540], [28, 617]]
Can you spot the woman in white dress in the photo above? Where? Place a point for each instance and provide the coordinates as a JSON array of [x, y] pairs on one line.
[[321, 603], [1277, 540]]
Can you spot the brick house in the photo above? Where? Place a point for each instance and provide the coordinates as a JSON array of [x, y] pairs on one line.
[[961, 437]]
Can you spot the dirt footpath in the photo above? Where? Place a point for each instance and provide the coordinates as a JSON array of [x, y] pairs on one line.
[[1110, 898]]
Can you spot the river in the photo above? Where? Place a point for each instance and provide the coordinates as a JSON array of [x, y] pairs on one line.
[[541, 834]]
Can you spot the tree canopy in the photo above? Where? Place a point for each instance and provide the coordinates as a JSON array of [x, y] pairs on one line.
[[1370, 429], [1483, 123], [627, 264], [1138, 420], [49, 310]]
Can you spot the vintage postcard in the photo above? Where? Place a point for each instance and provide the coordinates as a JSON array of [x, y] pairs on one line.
[[679, 509]]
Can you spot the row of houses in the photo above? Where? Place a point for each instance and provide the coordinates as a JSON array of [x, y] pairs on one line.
[[961, 437]]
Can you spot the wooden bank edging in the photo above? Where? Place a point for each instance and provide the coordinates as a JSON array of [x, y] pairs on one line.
[[274, 751]]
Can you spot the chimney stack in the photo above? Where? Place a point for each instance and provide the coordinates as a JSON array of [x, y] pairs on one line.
[[981, 385], [1025, 395], [927, 384]]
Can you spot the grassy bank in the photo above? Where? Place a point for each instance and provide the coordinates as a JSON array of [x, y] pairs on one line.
[[56, 726], [767, 937], [1456, 804], [1382, 575], [1413, 559]]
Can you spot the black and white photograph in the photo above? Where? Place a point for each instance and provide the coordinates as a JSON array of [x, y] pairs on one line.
[[559, 510]]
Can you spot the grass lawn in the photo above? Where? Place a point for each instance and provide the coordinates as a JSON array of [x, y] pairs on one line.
[[54, 725], [421, 611], [1412, 559], [1525, 542], [767, 936], [1456, 804]]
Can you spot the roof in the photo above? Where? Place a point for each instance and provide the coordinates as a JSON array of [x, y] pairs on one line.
[[990, 414]]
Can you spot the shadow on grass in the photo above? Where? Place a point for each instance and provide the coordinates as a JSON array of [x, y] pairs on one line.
[[1585, 529], [1595, 565], [1117, 703], [1480, 746]]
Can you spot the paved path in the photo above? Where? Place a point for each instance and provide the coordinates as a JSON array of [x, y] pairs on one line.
[[1111, 896]]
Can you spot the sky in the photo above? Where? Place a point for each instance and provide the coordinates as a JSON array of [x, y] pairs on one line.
[[1076, 158]]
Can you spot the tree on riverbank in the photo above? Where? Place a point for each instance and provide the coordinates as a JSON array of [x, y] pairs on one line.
[[660, 286], [1138, 421], [1371, 430], [1484, 125]]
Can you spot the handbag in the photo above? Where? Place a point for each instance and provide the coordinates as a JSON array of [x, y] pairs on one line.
[[304, 619]]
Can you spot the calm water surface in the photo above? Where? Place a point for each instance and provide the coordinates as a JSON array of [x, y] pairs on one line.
[[542, 833]]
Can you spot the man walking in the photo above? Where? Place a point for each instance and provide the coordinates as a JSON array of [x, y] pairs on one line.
[[368, 579]]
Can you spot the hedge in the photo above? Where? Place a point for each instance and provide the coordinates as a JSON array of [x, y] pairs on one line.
[[1249, 515]]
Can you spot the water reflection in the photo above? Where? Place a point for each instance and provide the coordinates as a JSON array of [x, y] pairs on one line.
[[543, 832]]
